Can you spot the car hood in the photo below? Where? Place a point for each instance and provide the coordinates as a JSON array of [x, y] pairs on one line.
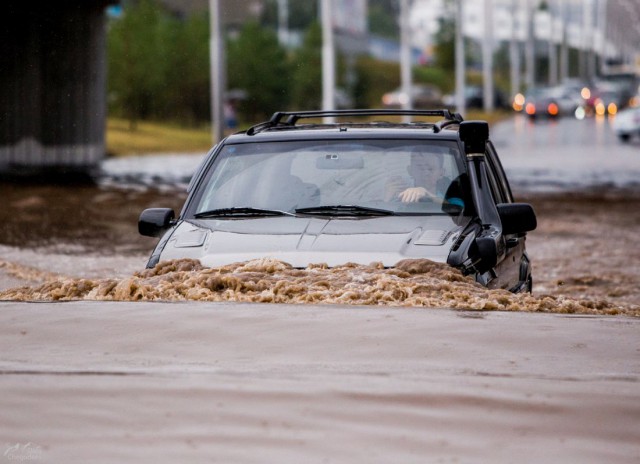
[[301, 241]]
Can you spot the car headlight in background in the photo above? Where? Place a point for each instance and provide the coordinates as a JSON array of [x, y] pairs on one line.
[[518, 102]]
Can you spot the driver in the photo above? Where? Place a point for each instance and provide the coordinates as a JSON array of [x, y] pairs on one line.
[[427, 181]]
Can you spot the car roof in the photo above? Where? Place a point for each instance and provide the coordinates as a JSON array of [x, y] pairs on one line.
[[343, 133], [352, 124]]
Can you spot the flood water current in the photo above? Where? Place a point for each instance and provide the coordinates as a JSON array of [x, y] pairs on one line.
[[62, 242]]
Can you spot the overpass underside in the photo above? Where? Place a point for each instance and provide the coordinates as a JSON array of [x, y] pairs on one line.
[[52, 86]]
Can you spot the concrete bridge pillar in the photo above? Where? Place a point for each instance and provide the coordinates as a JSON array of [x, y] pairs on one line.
[[52, 86]]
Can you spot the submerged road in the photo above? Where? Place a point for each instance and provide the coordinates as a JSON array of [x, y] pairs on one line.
[[565, 154], [174, 382]]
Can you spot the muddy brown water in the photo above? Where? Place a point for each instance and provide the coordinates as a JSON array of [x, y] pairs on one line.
[[585, 256]]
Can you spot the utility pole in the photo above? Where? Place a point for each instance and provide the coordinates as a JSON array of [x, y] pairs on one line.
[[283, 22], [328, 59], [514, 50], [564, 47], [592, 48], [530, 46], [584, 49], [405, 58], [602, 17], [553, 50], [461, 103], [217, 70], [487, 57]]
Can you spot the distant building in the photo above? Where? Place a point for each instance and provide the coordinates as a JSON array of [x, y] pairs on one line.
[[511, 15]]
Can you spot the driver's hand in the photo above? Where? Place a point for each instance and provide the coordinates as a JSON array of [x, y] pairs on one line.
[[413, 194]]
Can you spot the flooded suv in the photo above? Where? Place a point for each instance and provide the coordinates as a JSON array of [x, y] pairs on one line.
[[353, 189]]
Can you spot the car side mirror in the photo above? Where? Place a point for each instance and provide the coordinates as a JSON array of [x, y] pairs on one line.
[[474, 136], [517, 218], [487, 247], [154, 221]]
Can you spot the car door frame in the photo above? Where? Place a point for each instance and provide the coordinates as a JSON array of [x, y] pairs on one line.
[[513, 271]]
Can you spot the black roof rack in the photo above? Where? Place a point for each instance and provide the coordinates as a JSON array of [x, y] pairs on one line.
[[289, 119]]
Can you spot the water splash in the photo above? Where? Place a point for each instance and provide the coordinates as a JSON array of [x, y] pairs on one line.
[[411, 283]]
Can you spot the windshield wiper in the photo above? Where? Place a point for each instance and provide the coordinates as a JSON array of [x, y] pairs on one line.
[[344, 210], [244, 211]]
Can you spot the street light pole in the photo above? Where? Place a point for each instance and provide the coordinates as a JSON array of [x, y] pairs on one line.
[[487, 57], [553, 49], [603, 17], [514, 50], [216, 63], [405, 58], [564, 47], [328, 59], [460, 65], [283, 22], [530, 57]]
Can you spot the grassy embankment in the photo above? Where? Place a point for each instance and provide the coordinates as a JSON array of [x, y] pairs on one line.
[[155, 137]]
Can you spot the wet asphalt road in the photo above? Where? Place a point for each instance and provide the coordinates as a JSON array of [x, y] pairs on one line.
[[566, 155]]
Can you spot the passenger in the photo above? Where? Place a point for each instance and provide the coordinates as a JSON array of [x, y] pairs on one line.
[[427, 181]]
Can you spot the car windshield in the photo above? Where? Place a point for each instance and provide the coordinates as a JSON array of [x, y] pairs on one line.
[[377, 177]]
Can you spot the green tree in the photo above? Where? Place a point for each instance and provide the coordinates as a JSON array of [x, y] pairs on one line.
[[187, 79], [445, 43], [301, 14], [307, 71], [445, 40], [257, 64], [136, 61], [383, 18], [373, 79]]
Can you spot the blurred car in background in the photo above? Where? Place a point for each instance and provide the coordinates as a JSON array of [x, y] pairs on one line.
[[422, 96], [549, 102], [604, 98], [627, 123]]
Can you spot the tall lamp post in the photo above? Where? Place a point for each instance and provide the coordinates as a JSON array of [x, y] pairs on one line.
[[530, 58], [217, 68], [328, 59], [487, 57], [405, 58], [461, 106], [514, 50]]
